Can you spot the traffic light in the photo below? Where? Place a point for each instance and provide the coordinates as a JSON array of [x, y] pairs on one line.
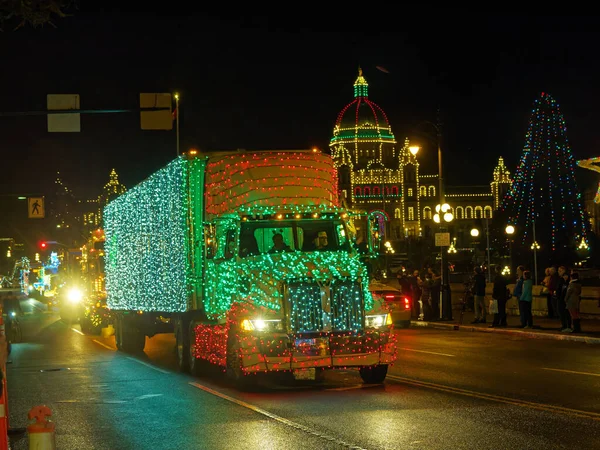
[[43, 245]]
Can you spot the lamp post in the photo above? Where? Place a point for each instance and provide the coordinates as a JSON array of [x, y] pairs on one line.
[[510, 230], [177, 120], [443, 216]]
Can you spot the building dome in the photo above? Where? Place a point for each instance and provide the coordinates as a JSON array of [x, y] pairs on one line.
[[362, 119]]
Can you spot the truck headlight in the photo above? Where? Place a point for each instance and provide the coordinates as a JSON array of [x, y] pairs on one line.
[[378, 320], [262, 325], [75, 296]]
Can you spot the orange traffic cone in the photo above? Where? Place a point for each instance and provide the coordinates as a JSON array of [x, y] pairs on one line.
[[41, 432]]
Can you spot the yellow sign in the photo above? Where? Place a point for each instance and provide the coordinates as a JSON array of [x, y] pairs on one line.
[[35, 207]]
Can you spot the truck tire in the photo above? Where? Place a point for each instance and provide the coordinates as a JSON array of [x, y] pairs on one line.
[[182, 346], [234, 364], [374, 374], [133, 340], [118, 333], [128, 338], [195, 364]]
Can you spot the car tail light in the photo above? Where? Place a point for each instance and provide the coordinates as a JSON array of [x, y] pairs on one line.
[[389, 297], [406, 303]]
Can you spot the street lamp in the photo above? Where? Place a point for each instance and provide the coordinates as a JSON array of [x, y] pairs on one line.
[[510, 230], [474, 232], [414, 149], [442, 216], [177, 120]]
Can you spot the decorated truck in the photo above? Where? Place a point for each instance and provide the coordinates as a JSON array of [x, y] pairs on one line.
[[249, 260]]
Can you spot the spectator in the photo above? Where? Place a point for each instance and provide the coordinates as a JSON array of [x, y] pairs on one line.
[[525, 301], [479, 295]]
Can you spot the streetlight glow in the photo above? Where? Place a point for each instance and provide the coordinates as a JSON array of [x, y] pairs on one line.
[[510, 229], [414, 149], [474, 232]]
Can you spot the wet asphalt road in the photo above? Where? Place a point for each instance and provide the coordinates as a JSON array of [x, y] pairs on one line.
[[448, 390]]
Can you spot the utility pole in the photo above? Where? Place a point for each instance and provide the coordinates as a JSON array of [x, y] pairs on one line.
[[445, 298]]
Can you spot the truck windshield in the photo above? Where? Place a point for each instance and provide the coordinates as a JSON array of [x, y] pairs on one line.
[[260, 237]]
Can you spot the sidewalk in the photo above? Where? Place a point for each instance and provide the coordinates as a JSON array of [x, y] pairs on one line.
[[544, 328]]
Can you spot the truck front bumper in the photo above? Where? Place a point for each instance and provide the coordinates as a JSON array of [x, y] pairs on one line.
[[284, 352]]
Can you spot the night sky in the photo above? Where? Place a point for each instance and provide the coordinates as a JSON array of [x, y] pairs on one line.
[[268, 83]]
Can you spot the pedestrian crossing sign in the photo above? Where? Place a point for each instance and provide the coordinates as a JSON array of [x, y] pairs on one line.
[[35, 207]]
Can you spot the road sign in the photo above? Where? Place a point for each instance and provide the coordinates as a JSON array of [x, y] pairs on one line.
[[442, 239], [156, 120], [35, 207], [63, 123]]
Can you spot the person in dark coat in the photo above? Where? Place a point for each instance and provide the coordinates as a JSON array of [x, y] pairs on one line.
[[499, 294], [561, 293], [479, 296]]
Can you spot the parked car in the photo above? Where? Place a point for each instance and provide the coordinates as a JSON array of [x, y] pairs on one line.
[[398, 302]]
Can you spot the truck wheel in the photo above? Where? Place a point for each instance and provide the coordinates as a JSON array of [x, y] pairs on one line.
[[374, 374], [181, 347], [119, 333], [234, 362], [194, 363], [133, 341]]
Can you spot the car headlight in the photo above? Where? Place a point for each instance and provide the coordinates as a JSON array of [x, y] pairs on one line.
[[262, 325], [75, 296], [378, 320]]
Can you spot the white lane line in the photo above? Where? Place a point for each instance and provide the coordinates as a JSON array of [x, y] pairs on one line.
[[279, 419], [102, 344], [425, 351], [77, 331], [148, 365], [143, 397], [349, 388], [572, 371], [498, 398]]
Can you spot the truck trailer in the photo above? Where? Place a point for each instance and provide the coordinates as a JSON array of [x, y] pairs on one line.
[[248, 258]]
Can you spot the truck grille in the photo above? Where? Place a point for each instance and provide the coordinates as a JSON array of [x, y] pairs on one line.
[[314, 308]]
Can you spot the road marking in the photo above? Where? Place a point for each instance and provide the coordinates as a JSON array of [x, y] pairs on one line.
[[572, 371], [77, 331], [102, 344], [349, 388], [424, 351], [142, 397], [279, 419], [498, 398], [148, 365]]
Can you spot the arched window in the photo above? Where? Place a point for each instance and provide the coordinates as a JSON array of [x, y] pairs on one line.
[[427, 213], [395, 190], [478, 212], [397, 213], [423, 191], [367, 190], [469, 212], [376, 190], [487, 212], [357, 191], [460, 213], [411, 213], [432, 191]]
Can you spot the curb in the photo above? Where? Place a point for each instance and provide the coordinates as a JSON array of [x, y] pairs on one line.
[[521, 333]]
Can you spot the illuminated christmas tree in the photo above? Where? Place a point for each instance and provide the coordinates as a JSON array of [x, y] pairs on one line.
[[544, 189]]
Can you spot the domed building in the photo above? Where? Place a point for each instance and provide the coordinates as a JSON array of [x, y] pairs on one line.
[[379, 176], [375, 174]]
